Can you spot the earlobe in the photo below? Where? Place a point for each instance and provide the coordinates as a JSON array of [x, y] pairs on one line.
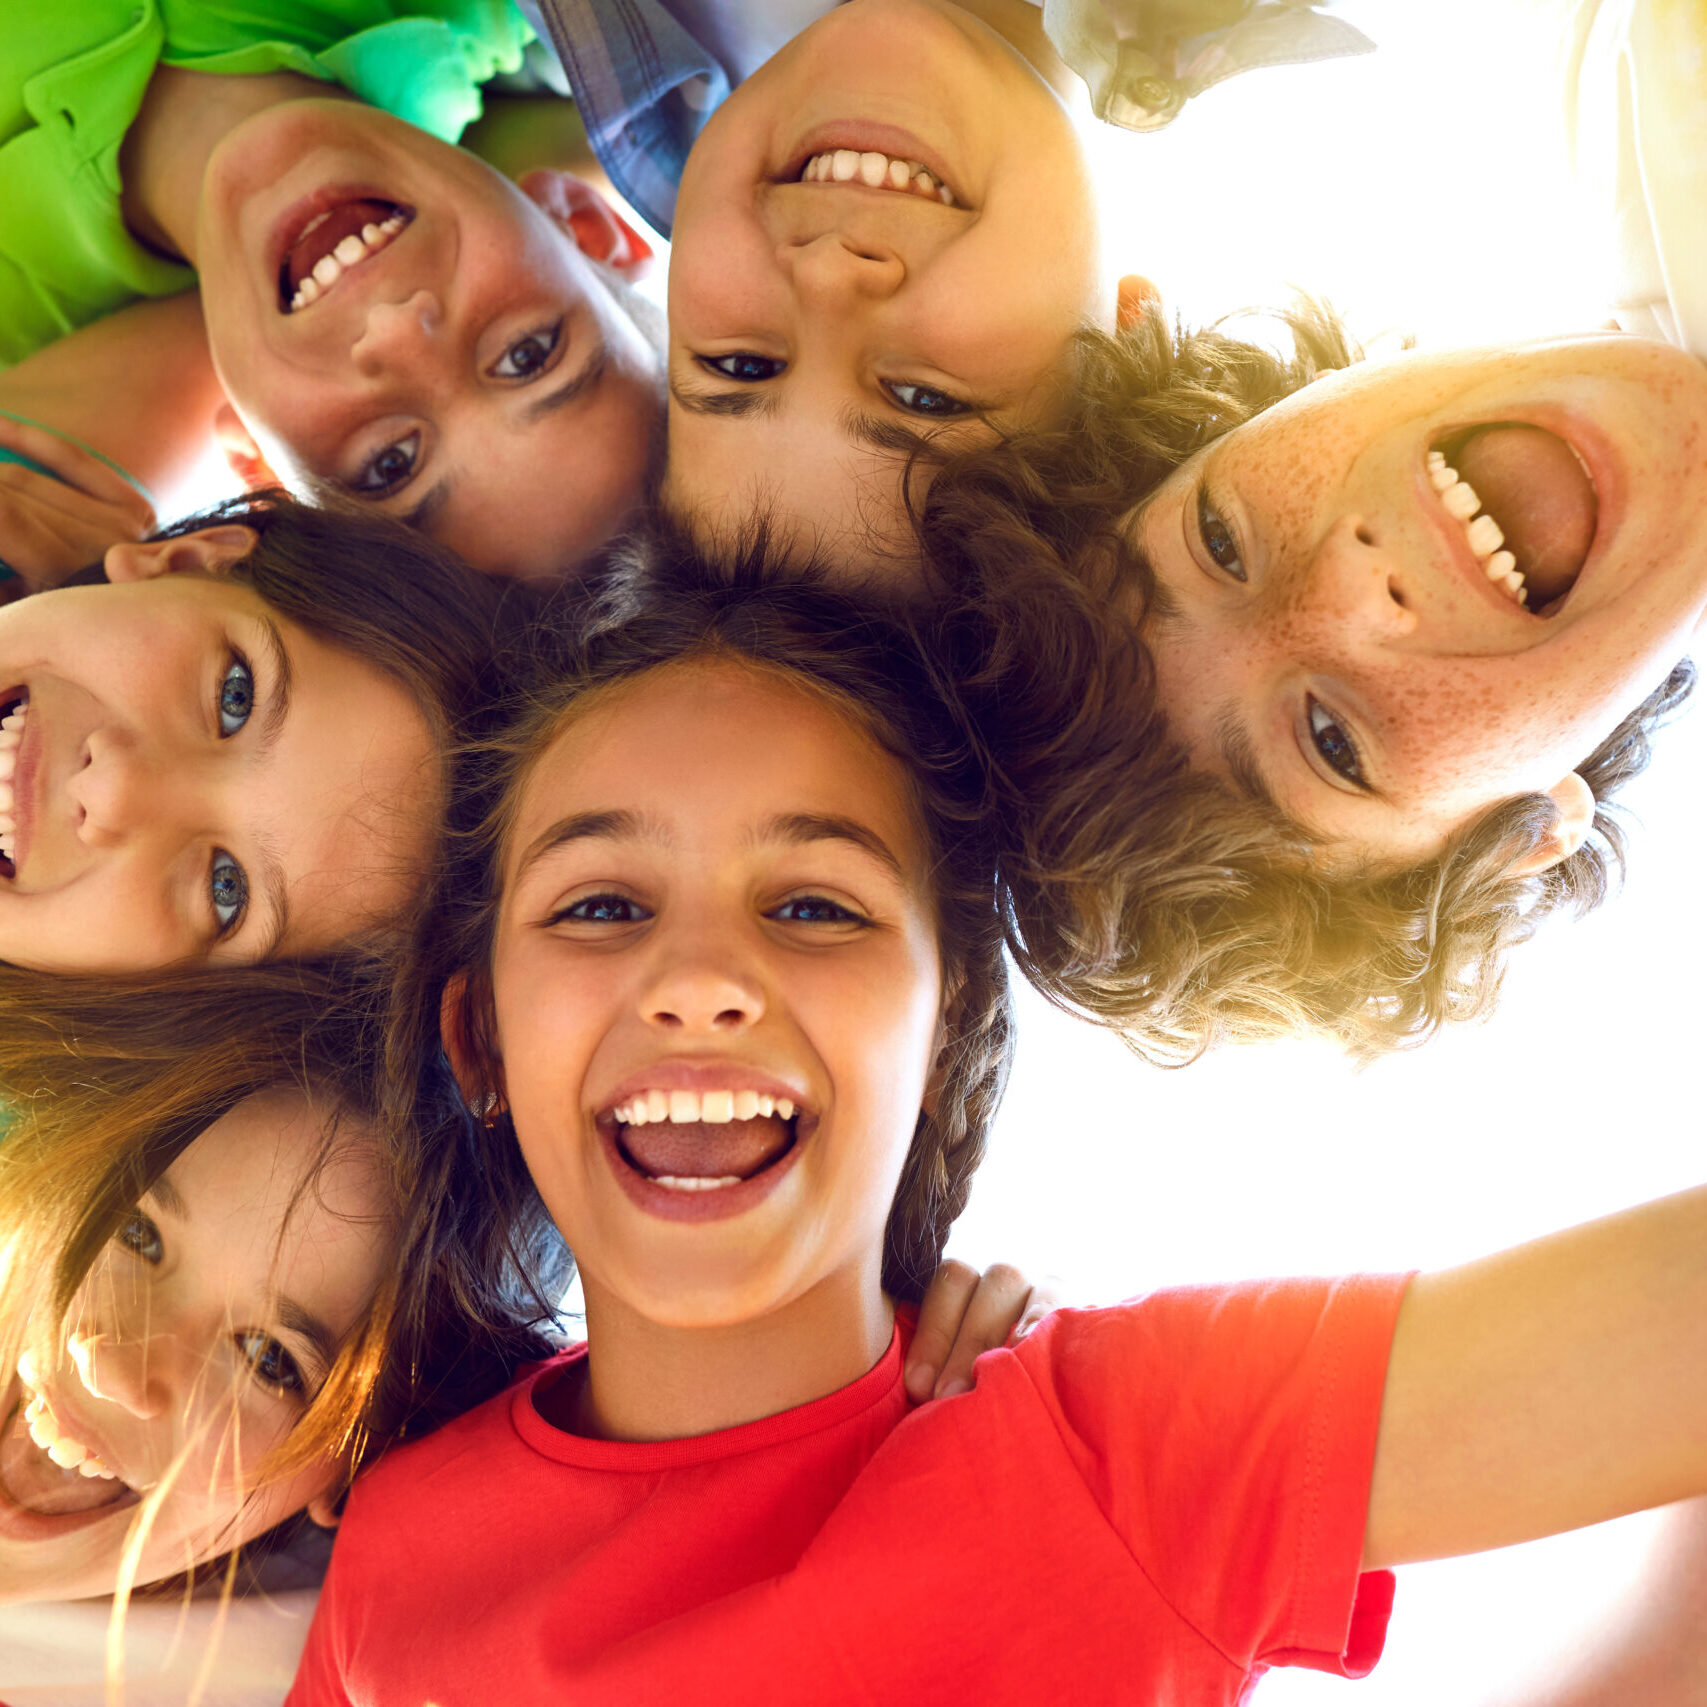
[[208, 551], [242, 455], [1575, 802], [323, 1510], [1135, 297], [592, 224]]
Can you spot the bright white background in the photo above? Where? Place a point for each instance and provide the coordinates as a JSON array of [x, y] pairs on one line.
[[1422, 189]]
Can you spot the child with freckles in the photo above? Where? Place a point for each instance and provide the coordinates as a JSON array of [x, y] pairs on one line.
[[735, 851]]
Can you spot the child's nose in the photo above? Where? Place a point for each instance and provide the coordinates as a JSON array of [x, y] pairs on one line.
[[837, 271], [398, 332]]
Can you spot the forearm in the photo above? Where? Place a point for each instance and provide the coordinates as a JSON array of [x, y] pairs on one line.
[[1558, 1384], [139, 387]]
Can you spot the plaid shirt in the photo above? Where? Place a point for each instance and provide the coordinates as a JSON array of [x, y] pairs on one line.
[[645, 86]]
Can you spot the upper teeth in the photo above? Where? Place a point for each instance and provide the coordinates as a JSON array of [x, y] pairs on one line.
[[712, 1108], [11, 738], [350, 252], [880, 171], [1458, 498], [66, 1452]]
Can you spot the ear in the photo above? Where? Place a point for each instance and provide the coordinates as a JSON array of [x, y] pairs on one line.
[[323, 1510], [1135, 296], [1575, 801], [242, 455], [205, 552], [465, 1064], [593, 225]]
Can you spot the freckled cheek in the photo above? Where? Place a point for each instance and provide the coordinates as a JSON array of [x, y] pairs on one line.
[[1479, 739]]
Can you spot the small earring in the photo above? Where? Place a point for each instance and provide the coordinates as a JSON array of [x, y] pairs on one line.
[[487, 1107]]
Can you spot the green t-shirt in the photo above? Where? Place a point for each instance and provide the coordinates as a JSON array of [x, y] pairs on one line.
[[72, 77]]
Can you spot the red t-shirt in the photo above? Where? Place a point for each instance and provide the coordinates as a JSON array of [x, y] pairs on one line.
[[1151, 1504]]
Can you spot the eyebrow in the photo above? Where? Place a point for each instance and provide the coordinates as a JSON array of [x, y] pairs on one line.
[[1239, 754], [587, 826], [169, 1197], [760, 400], [792, 828], [796, 829], [422, 514], [588, 377], [272, 726], [295, 1319]]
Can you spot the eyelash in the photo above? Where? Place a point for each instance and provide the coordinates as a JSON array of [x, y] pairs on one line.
[[549, 337], [369, 483], [577, 912], [289, 1379], [772, 366], [949, 407], [844, 915], [136, 1231], [1210, 520], [238, 683], [1346, 764]]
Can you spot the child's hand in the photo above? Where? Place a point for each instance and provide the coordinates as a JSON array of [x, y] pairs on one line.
[[964, 1316], [51, 527]]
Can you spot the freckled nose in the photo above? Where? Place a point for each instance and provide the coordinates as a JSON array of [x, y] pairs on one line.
[[1355, 581], [835, 270], [397, 332]]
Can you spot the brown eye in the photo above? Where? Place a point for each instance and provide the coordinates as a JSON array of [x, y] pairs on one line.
[[1218, 538]]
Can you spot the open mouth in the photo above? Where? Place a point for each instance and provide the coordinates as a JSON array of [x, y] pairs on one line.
[[697, 1142], [14, 714], [333, 242], [1527, 505], [50, 1479], [876, 171]]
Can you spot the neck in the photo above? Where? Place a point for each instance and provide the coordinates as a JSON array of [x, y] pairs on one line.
[[185, 115], [648, 1381]]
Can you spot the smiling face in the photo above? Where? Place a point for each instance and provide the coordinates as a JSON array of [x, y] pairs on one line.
[[191, 1349], [185, 776], [1340, 627], [824, 290], [717, 994], [394, 318]]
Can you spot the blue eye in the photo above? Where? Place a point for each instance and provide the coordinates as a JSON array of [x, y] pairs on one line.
[[272, 1364], [744, 366], [602, 910], [389, 468], [926, 400], [528, 356], [138, 1235], [236, 697], [1334, 744], [816, 910], [228, 890], [1218, 538]]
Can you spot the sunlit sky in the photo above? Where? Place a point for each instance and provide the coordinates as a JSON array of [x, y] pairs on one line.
[[1424, 191]]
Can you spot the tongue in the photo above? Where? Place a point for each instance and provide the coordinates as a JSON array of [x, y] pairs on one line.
[[323, 238], [1530, 482], [694, 1150], [32, 1480]]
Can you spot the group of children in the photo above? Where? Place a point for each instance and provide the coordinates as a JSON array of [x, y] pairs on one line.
[[638, 886]]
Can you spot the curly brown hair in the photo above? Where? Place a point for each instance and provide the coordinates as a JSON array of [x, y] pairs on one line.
[[661, 605], [1138, 893]]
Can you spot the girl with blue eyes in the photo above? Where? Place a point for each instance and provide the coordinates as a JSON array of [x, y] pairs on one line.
[[229, 750]]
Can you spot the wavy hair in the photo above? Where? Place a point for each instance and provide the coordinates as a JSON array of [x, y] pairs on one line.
[[1143, 895]]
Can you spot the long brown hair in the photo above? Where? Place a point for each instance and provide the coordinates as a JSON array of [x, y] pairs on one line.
[[662, 605]]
